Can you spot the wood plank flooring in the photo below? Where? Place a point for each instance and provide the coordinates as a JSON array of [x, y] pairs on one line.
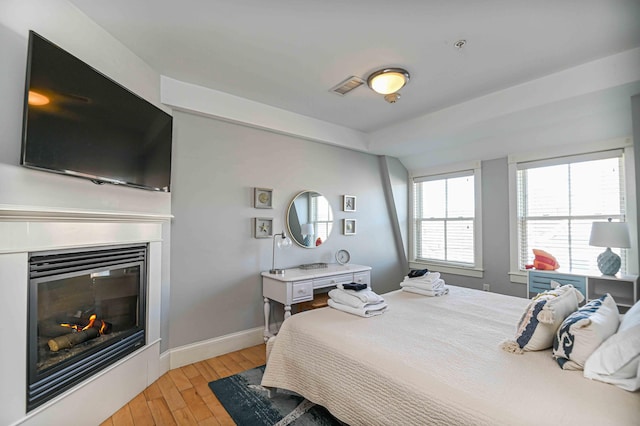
[[182, 396]]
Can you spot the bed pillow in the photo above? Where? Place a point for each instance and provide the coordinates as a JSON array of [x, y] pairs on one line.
[[583, 331], [617, 360], [541, 319]]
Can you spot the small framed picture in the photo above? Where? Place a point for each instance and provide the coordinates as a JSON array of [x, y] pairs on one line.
[[349, 203], [263, 198], [262, 227], [349, 226]]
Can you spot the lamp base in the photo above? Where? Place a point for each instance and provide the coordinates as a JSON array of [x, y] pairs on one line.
[[608, 262], [276, 271]]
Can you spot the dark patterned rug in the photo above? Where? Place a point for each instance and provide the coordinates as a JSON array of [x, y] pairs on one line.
[[248, 403]]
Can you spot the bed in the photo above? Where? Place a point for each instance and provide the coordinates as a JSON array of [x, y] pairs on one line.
[[435, 360]]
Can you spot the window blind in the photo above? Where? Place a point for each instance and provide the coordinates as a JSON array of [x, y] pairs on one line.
[[559, 199], [444, 215], [322, 218]]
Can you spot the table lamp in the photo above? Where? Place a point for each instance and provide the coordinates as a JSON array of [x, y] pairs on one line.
[[282, 241], [307, 233], [609, 234]]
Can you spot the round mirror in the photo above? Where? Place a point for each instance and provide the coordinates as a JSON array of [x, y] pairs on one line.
[[309, 219]]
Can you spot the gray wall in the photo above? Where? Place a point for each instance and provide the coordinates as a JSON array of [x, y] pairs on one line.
[[216, 262], [635, 117], [495, 233]]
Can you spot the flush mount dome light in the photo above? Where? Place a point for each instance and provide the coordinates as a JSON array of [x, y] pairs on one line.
[[388, 80]]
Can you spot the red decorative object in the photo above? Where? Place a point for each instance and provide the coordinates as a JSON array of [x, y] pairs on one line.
[[544, 261], [318, 242]]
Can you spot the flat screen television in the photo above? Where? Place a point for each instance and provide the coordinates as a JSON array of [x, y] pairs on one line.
[[79, 122]]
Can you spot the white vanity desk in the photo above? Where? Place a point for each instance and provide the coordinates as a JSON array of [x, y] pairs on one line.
[[298, 285]]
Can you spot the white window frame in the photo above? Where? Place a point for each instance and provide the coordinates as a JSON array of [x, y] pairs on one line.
[[626, 144], [476, 270]]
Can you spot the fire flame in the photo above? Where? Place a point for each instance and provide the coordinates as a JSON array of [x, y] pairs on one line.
[[92, 322]]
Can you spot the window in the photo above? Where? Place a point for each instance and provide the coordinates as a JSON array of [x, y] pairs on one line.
[[558, 200], [446, 229], [321, 216]]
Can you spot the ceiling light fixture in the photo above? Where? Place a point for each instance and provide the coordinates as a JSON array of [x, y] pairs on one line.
[[388, 81]]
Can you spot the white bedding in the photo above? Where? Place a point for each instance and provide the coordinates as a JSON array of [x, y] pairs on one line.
[[436, 360]]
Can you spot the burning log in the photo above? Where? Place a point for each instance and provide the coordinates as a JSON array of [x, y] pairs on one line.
[[52, 329], [70, 340]]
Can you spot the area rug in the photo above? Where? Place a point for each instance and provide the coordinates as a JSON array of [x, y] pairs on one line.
[[249, 404]]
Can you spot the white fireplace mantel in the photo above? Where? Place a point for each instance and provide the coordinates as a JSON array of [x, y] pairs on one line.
[[13, 212], [28, 229]]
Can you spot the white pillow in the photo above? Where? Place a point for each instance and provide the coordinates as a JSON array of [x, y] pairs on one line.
[[543, 316], [617, 360], [583, 331]]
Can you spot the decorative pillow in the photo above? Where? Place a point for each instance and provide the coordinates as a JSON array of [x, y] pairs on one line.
[[583, 331], [617, 360], [542, 318]]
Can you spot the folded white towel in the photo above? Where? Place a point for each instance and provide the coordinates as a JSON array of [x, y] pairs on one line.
[[367, 295], [441, 292], [367, 312], [434, 286], [427, 278], [341, 296]]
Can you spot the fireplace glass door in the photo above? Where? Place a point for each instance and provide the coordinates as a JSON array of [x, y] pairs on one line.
[[86, 312]]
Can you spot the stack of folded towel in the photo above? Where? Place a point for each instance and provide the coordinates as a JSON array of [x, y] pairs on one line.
[[357, 300], [423, 282]]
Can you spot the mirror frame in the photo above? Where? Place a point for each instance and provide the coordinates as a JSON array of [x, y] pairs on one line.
[[292, 203]]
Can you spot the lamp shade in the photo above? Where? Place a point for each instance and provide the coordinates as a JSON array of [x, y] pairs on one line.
[[306, 229], [610, 234], [388, 80]]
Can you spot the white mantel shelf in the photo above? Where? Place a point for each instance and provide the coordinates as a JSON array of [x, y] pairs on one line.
[[31, 213]]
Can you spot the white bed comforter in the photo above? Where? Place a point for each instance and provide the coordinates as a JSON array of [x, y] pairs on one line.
[[436, 360]]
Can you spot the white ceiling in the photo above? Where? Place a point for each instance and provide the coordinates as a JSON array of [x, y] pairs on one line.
[[289, 53]]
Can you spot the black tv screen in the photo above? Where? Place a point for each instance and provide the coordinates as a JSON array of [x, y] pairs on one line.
[[79, 122]]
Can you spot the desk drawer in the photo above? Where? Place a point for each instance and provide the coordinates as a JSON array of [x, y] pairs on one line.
[[332, 281], [302, 291], [362, 278]]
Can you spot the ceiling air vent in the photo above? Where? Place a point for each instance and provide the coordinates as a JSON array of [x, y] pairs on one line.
[[347, 85]]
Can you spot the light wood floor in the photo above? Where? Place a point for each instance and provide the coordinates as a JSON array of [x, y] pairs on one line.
[[182, 396]]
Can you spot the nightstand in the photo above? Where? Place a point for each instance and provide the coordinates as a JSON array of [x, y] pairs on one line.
[[623, 288]]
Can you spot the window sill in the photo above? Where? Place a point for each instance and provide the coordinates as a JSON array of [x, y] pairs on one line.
[[518, 277], [449, 269]]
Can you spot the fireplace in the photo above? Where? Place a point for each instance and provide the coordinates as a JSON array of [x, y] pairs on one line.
[[86, 311]]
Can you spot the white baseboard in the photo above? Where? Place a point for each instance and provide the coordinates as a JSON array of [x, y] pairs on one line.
[[195, 352], [164, 363]]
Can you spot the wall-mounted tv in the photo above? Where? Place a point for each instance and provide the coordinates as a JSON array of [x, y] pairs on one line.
[[79, 122]]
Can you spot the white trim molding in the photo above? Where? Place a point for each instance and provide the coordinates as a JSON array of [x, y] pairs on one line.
[[13, 212], [195, 352], [451, 170]]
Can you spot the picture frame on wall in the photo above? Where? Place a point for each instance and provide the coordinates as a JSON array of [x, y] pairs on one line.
[[263, 198], [349, 226], [262, 227], [349, 203]]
